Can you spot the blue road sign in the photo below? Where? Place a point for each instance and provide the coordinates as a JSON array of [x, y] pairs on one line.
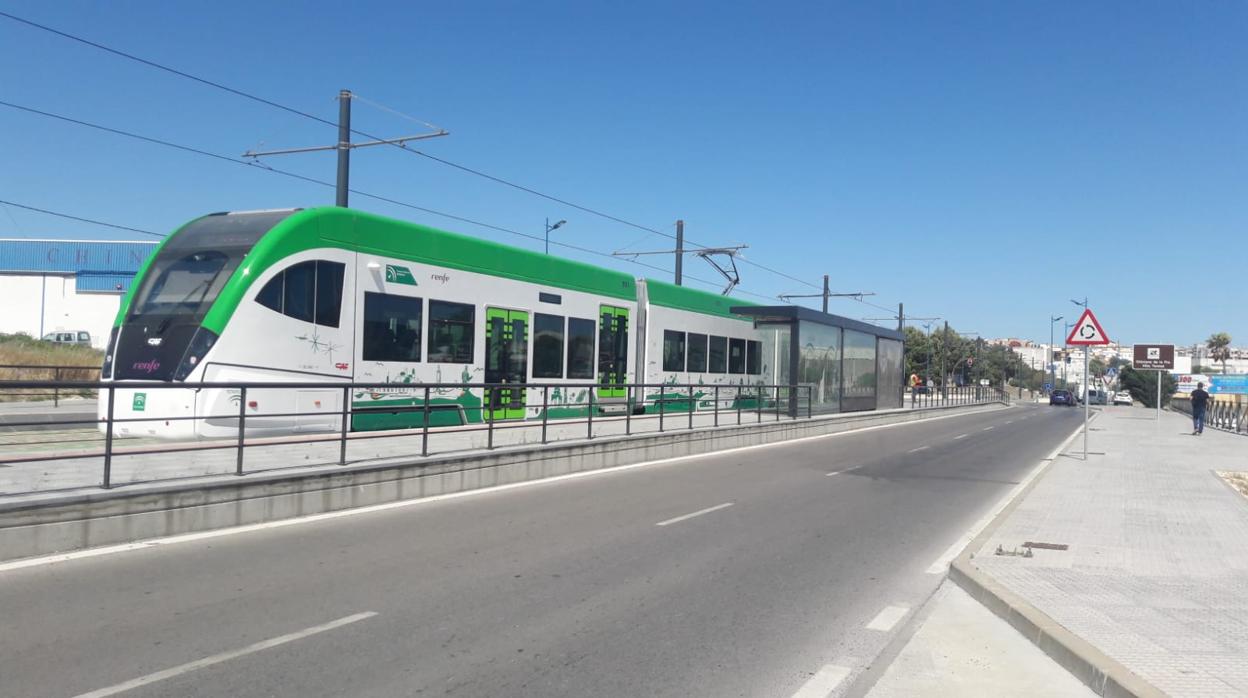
[[1228, 385], [1048, 387], [1111, 372]]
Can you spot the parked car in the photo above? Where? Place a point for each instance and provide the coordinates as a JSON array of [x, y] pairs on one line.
[[1097, 397], [1122, 397], [69, 337], [1062, 397]]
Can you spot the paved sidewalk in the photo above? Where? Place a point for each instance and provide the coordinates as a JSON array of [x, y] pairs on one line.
[[1156, 574], [962, 649]]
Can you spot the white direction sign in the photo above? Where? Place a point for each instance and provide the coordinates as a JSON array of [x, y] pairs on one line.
[[1087, 332]]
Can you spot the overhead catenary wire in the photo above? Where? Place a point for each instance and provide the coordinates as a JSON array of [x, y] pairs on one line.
[[82, 219], [310, 180], [476, 172]]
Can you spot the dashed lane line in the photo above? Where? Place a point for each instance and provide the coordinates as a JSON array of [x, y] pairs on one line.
[[888, 619], [699, 512]]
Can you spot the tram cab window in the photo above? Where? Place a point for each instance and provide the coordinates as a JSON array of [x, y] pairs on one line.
[[308, 291], [547, 346], [717, 355], [736, 355], [451, 330], [581, 347], [673, 350], [392, 327], [753, 357], [697, 353]]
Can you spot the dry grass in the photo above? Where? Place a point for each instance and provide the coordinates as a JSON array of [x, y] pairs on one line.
[[23, 350], [1237, 480]]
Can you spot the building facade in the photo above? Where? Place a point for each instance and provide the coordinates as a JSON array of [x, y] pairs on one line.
[[66, 285]]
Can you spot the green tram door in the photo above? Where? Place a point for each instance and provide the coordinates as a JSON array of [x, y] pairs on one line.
[[506, 361], [612, 352]]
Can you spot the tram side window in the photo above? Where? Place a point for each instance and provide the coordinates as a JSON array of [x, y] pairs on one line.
[[392, 327], [673, 350], [451, 329], [753, 357], [581, 347], [717, 355], [697, 353], [308, 291], [736, 355], [547, 346]]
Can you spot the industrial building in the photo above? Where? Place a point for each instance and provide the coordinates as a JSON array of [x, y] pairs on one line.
[[66, 285]]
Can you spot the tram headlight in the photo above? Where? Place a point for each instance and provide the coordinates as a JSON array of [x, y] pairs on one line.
[[110, 350], [201, 342]]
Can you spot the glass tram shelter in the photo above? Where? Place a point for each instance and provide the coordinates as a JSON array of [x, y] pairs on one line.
[[849, 365]]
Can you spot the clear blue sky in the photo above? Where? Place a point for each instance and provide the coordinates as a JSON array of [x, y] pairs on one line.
[[982, 162]]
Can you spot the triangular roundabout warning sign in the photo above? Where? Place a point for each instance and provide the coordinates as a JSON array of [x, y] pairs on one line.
[[1087, 332]]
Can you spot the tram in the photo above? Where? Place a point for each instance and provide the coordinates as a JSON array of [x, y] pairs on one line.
[[332, 295]]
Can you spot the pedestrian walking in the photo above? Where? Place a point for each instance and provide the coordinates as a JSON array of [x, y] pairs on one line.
[[1200, 402]]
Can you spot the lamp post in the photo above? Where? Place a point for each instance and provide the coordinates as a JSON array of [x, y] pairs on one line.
[[1053, 320], [549, 228]]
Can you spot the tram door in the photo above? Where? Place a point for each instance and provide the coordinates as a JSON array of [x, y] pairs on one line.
[[612, 351], [506, 361]]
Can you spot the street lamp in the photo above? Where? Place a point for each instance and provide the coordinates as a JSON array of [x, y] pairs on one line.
[[549, 228], [1053, 320]]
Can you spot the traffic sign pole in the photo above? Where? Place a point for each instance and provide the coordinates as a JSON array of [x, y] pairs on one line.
[[1086, 333]]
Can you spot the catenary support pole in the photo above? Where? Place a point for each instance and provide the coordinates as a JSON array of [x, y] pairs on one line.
[[680, 251], [344, 147], [826, 293]]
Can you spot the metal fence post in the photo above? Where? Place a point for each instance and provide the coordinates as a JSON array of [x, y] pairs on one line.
[[590, 421], [242, 421], [690, 391], [545, 410], [56, 390], [628, 413], [777, 402], [716, 407], [758, 405], [424, 428], [810, 402], [346, 402], [489, 426], [662, 408], [108, 440], [737, 399]]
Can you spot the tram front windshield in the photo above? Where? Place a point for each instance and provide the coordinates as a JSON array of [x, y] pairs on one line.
[[192, 268]]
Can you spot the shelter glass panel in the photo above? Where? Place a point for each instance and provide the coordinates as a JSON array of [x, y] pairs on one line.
[[819, 365], [860, 375]]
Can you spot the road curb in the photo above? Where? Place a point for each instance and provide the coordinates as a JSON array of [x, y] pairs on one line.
[[1103, 674]]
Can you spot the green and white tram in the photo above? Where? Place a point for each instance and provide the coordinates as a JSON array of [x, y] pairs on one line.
[[329, 295]]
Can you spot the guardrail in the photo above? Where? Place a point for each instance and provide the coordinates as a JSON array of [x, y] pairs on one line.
[[651, 407], [12, 372], [1219, 414]]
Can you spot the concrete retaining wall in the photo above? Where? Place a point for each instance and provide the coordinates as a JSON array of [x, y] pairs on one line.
[[51, 523]]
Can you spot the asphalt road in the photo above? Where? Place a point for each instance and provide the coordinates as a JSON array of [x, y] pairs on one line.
[[785, 579]]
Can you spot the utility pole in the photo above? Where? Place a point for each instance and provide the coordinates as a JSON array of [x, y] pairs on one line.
[[680, 251], [826, 293], [901, 316], [344, 147]]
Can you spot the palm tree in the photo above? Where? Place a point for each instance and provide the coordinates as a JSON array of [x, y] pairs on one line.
[[1219, 345]]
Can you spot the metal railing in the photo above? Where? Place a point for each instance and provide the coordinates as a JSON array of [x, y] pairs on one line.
[[56, 374], [477, 409], [922, 396], [1219, 414], [648, 407]]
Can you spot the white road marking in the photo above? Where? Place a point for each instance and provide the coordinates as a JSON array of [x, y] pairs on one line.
[[888, 618], [941, 565], [372, 508], [225, 656], [989, 428], [699, 512], [824, 681], [920, 448], [1009, 421], [960, 436]]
